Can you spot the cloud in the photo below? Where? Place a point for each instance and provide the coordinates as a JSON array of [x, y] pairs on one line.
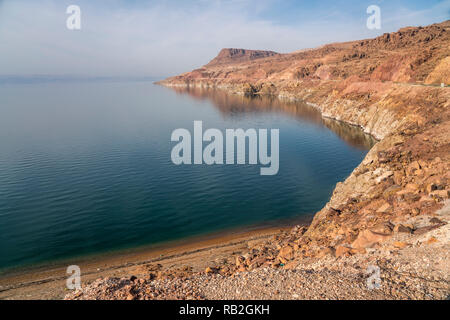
[[158, 38]]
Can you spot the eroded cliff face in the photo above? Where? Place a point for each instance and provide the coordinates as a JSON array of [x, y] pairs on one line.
[[389, 86]]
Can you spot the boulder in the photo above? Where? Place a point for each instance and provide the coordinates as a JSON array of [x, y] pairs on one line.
[[384, 208], [400, 244], [443, 194], [368, 239], [384, 176], [342, 250], [403, 229], [239, 261], [286, 253]]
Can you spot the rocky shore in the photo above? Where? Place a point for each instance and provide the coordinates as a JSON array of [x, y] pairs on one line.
[[390, 215]]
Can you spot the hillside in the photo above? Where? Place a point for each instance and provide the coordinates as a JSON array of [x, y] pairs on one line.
[[392, 211]]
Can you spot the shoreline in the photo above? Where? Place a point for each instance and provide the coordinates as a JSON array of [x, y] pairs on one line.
[[31, 281]]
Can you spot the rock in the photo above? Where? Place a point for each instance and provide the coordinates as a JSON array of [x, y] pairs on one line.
[[413, 187], [242, 268], [290, 265], [257, 262], [368, 239], [358, 251], [432, 187], [384, 176], [392, 190], [325, 251], [403, 192], [402, 229], [426, 199], [225, 270], [400, 244], [383, 228], [342, 250], [398, 177], [286, 253], [209, 270], [437, 221], [426, 229], [239, 261], [432, 240], [413, 166], [384, 208], [443, 194]]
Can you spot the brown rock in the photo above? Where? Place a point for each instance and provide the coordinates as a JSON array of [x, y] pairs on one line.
[[402, 229], [426, 229], [426, 199], [392, 190], [384, 176], [431, 187], [383, 228], [368, 239], [286, 253], [398, 177], [358, 250], [325, 251], [242, 268], [435, 220], [209, 270], [290, 265], [413, 187], [432, 240], [384, 208], [400, 244], [342, 250], [239, 261], [257, 262], [281, 260], [413, 167]]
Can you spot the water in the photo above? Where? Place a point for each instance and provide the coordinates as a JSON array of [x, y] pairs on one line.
[[85, 167]]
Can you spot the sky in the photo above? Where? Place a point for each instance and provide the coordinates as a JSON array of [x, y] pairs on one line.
[[162, 37]]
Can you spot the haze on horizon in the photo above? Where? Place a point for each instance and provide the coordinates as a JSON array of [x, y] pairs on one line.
[[162, 38]]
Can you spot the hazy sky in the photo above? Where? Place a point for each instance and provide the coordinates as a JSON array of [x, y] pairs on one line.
[[164, 37]]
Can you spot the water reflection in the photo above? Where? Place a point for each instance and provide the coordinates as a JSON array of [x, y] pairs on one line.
[[231, 105]]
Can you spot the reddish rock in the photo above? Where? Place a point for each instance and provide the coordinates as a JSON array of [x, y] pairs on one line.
[[368, 239], [325, 251], [342, 250], [400, 244]]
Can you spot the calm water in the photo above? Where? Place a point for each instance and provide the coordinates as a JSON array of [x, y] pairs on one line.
[[85, 167]]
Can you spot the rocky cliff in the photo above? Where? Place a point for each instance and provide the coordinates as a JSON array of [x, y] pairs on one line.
[[390, 86]]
